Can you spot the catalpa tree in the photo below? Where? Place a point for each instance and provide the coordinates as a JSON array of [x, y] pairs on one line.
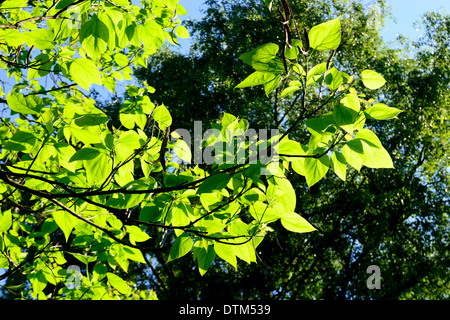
[[81, 200]]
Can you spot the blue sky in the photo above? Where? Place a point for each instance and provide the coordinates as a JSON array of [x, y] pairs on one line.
[[405, 12]]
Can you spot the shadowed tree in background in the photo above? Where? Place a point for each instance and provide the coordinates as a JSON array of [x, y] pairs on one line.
[[395, 219]]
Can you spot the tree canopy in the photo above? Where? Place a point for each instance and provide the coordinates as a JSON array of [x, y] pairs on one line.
[[285, 168], [396, 219]]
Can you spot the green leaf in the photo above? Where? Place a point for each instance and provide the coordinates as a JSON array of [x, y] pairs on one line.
[[226, 252], [256, 78], [289, 90], [91, 119], [122, 3], [94, 36], [65, 221], [372, 79], [136, 234], [171, 4], [183, 151], [44, 65], [380, 111], [121, 59], [213, 183], [26, 105], [262, 54], [134, 254], [98, 168], [270, 86], [151, 35], [117, 282], [378, 157], [162, 117], [292, 53], [316, 73], [204, 254], [64, 4], [344, 117], [181, 246], [326, 36], [182, 32], [345, 113], [354, 158], [290, 147], [83, 258], [316, 169], [84, 72], [339, 165], [370, 137], [5, 220], [296, 223], [86, 153], [334, 79], [280, 191], [41, 39], [130, 140]]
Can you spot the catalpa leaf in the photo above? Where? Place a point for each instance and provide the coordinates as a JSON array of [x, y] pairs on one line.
[[181, 246], [85, 73], [86, 153], [256, 78], [296, 223], [380, 111], [117, 282], [94, 36], [326, 36], [26, 105], [372, 79], [226, 252], [316, 169], [262, 54], [213, 183]]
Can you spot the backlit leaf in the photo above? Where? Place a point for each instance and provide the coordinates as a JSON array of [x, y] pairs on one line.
[[326, 36]]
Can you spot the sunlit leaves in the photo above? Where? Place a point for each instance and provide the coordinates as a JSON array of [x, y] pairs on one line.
[[316, 169], [226, 252], [26, 105], [296, 223], [117, 282], [214, 182], [5, 220], [326, 36], [339, 165], [85, 73], [380, 111], [182, 32], [65, 221], [162, 117], [181, 246], [114, 197], [372, 79], [151, 35], [94, 36], [256, 78], [262, 54]]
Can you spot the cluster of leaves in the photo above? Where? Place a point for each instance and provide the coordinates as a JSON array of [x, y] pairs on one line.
[[396, 219], [338, 136], [77, 190]]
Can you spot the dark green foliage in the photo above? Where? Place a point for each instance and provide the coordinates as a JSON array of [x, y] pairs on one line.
[[396, 219]]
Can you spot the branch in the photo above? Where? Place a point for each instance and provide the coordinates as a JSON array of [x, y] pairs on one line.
[[55, 16]]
